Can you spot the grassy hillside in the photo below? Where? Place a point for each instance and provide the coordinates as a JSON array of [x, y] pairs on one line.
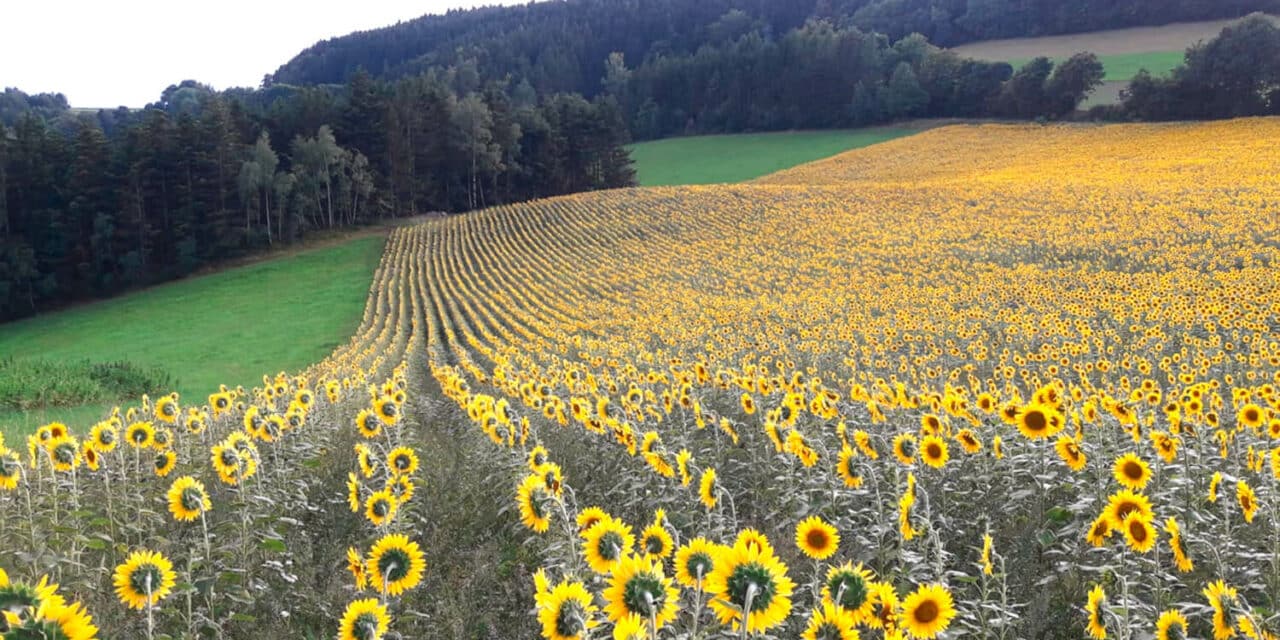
[[734, 158], [227, 327]]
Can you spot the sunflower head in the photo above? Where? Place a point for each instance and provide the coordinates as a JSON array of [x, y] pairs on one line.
[[144, 579], [364, 620], [396, 564], [749, 581], [188, 499], [817, 539], [638, 586], [927, 611]]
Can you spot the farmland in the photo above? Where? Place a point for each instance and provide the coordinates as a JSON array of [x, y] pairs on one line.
[[997, 381], [738, 157]]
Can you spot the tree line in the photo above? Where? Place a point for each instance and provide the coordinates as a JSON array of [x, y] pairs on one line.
[[92, 204], [1235, 74], [822, 75], [562, 45]]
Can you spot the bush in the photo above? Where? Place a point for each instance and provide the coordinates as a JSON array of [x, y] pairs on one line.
[[40, 384]]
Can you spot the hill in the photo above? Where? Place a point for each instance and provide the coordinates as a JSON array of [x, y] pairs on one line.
[[230, 326], [562, 45], [973, 348]]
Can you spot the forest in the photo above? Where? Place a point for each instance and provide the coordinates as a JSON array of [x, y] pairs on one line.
[[92, 204], [562, 45]]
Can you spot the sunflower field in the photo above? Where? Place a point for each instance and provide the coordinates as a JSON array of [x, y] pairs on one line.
[[997, 381]]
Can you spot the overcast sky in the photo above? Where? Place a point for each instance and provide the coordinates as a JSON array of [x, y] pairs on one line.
[[125, 52]]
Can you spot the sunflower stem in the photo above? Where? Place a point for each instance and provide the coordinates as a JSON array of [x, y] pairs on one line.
[[746, 609], [150, 617]]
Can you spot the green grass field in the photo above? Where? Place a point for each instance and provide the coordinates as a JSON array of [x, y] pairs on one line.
[[229, 327], [734, 158], [1123, 67]]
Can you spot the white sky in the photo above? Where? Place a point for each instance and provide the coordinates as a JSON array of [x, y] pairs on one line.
[[105, 54]]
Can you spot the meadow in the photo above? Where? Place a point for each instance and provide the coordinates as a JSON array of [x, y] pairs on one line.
[[237, 323], [1122, 67], [738, 157], [997, 381]]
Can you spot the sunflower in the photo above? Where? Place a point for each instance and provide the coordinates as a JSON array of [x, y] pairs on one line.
[[167, 409], [387, 410], [402, 461], [817, 539], [364, 620], [104, 437], [845, 468], [927, 611], [997, 448], [1099, 531], [707, 489], [694, 562], [1037, 421], [71, 621], [1097, 625], [10, 470], [228, 463], [566, 612], [144, 579], [401, 487], [355, 564], [1171, 625], [64, 453], [1124, 502], [987, 567], [91, 457], [904, 448], [749, 572], [638, 586], [538, 456], [367, 424], [831, 623], [655, 542], [863, 441], [395, 564], [368, 463], [1138, 532], [1068, 449], [1180, 558], [188, 499], [605, 543], [380, 508], [1131, 471], [682, 465], [220, 403], [631, 628], [1248, 500], [1252, 416], [848, 587], [553, 478], [165, 462], [140, 435], [884, 607], [532, 498], [1223, 599], [969, 441], [353, 493], [934, 452], [588, 518]]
